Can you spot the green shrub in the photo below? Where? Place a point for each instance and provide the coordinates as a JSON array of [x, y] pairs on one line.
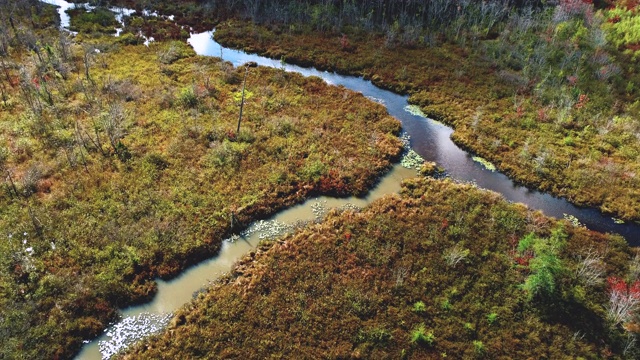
[[623, 32], [246, 136], [492, 318], [174, 51], [187, 97], [469, 327], [122, 151], [420, 336], [97, 20], [226, 154], [478, 347], [419, 307], [157, 161], [569, 141], [312, 171], [130, 39], [546, 267]]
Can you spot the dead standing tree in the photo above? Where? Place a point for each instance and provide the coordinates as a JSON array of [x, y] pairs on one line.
[[244, 84]]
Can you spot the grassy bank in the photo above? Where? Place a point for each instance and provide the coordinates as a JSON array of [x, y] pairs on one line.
[[122, 163], [576, 140], [444, 270]]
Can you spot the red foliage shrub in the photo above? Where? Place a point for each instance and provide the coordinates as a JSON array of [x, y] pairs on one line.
[[624, 300], [44, 186], [231, 135], [333, 183], [542, 115], [627, 4], [524, 259], [582, 101], [344, 42], [445, 225], [618, 285], [14, 81]]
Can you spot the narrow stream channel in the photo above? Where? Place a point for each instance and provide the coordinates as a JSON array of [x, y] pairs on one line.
[[429, 138], [138, 321]]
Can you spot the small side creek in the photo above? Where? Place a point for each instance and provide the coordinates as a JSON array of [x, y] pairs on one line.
[[429, 139], [143, 320]]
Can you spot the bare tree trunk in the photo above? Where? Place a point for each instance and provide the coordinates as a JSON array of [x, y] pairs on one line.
[[244, 83], [87, 63], [37, 224], [13, 185], [97, 142], [4, 93]]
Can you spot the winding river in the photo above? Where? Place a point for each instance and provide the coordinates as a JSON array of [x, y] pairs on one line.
[[432, 140], [429, 138]]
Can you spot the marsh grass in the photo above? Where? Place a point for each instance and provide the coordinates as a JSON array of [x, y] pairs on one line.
[[420, 336]]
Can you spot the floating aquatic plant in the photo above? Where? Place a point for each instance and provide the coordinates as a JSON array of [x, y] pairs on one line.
[[269, 229], [350, 207], [266, 229], [233, 238], [484, 162], [319, 209], [377, 100], [412, 160], [130, 330], [405, 139], [572, 219], [415, 110]]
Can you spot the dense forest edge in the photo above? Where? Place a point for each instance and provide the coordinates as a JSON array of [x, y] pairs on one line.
[[442, 270], [547, 91]]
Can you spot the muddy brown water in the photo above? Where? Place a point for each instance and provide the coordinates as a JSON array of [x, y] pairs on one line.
[[139, 321]]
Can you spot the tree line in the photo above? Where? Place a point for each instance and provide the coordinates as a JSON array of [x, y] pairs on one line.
[[375, 14]]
